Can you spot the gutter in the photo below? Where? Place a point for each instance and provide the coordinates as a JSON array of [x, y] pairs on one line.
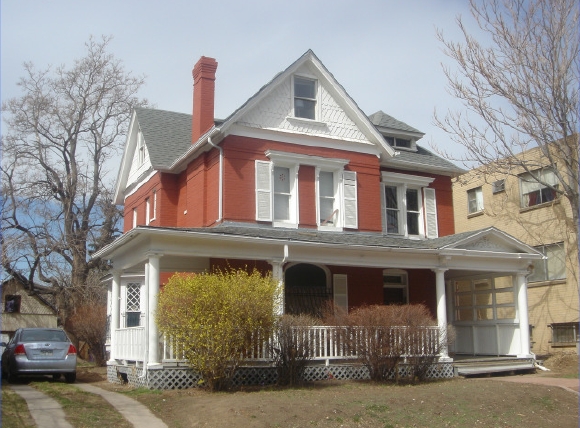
[[221, 182]]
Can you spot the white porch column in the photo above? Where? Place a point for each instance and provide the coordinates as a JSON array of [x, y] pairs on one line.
[[522, 296], [278, 275], [152, 278], [115, 312], [441, 311]]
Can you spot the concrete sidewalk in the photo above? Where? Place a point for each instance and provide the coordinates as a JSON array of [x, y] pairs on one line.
[[132, 410], [46, 411], [572, 385]]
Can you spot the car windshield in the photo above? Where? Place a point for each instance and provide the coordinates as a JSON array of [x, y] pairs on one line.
[[43, 335]]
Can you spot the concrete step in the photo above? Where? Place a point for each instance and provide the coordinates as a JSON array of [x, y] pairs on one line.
[[471, 367]]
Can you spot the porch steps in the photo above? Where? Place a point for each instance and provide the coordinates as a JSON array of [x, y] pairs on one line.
[[494, 365]]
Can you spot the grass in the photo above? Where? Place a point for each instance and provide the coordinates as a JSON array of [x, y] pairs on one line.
[[15, 412], [82, 409]]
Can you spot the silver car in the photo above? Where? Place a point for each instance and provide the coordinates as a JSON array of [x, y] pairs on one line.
[[39, 351]]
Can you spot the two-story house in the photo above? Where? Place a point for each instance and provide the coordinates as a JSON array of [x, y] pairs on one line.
[[522, 206], [299, 182]]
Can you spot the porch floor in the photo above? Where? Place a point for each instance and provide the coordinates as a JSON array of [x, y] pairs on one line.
[[465, 365]]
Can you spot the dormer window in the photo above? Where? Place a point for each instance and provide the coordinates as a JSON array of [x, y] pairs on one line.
[[399, 142], [304, 97]]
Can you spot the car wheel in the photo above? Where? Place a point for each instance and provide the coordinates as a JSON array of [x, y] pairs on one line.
[[70, 377], [56, 376], [11, 377]]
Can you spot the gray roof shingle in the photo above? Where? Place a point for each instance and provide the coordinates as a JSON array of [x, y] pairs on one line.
[[383, 120]]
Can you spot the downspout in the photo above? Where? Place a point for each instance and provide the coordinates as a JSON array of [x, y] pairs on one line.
[[221, 183]]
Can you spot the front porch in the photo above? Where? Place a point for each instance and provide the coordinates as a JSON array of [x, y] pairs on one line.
[[331, 358]]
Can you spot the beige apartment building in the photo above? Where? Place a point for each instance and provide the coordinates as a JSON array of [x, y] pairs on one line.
[[533, 213]]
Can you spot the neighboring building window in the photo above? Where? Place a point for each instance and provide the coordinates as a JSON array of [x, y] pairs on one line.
[[409, 206], [475, 200], [498, 186], [533, 191], [564, 334], [134, 217], [140, 148], [304, 98], [395, 287], [133, 305], [551, 268], [147, 211], [399, 142], [12, 304]]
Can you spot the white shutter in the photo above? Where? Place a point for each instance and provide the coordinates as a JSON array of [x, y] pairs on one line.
[[263, 191], [349, 195], [430, 213], [340, 291]]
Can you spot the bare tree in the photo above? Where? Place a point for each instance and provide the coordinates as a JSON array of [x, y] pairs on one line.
[[518, 80], [63, 132]]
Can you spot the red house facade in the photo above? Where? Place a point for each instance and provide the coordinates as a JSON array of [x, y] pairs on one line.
[[299, 181]]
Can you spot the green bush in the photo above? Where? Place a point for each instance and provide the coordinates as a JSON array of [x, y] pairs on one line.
[[212, 318]]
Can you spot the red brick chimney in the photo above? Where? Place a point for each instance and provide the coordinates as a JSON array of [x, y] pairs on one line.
[[203, 96]]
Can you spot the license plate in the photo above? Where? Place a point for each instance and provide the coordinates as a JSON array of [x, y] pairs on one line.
[[46, 351]]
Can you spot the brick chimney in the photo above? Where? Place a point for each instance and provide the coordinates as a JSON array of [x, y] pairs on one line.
[[203, 96]]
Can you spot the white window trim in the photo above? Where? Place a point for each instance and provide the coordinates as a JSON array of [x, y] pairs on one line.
[[293, 203], [316, 99], [154, 217], [147, 211], [140, 148], [404, 182], [134, 217]]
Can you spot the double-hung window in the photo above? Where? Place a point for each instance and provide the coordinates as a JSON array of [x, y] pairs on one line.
[[133, 307], [553, 267], [538, 187], [409, 206], [474, 200], [327, 210], [140, 148], [304, 97], [277, 191]]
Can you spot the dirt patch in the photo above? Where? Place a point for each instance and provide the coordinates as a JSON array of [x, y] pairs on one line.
[[562, 365]]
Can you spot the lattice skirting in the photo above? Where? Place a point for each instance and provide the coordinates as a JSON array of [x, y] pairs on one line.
[[183, 377]]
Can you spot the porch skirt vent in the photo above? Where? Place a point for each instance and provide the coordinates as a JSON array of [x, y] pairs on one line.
[[183, 377]]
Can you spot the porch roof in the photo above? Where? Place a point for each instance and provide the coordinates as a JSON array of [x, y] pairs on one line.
[[478, 250]]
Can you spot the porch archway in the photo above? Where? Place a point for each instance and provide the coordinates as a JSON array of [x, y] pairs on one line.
[[307, 289]]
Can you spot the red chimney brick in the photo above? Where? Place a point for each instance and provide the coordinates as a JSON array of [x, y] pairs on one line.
[[203, 96]]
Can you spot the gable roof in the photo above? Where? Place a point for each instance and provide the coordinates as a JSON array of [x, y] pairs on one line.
[[167, 135]]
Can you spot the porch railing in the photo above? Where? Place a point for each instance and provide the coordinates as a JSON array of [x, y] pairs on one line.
[[130, 344], [333, 343]]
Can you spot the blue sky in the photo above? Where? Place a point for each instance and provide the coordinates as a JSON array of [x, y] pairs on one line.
[[385, 53]]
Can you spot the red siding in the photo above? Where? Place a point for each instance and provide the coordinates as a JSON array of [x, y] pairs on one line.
[[239, 180]]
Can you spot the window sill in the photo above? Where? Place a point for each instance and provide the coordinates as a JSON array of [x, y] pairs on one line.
[[330, 228], [475, 214], [305, 121], [543, 205], [284, 225], [563, 344], [546, 283]]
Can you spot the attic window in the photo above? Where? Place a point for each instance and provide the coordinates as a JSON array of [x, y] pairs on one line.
[[12, 304], [399, 142], [140, 148], [304, 98]]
